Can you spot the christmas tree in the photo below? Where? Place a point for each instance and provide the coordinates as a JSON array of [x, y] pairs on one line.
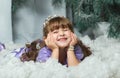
[[87, 13]]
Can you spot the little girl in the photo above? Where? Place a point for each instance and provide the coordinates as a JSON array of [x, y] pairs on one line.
[[59, 42]]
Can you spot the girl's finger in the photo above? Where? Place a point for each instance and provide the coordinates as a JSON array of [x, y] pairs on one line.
[[75, 37], [48, 37], [46, 42], [72, 35]]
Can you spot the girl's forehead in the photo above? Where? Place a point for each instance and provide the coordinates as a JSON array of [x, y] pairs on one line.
[[54, 27]]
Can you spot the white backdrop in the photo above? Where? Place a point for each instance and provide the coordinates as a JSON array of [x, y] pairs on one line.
[[5, 21], [28, 21]]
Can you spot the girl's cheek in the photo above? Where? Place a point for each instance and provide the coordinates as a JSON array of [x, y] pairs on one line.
[[53, 37]]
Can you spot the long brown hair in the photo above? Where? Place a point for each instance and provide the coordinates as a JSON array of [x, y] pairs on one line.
[[86, 50], [50, 25], [32, 50]]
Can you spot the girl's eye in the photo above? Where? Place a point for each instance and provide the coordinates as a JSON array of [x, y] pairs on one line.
[[65, 29], [55, 31]]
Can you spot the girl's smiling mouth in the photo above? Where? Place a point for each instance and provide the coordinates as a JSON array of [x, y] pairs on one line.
[[62, 39]]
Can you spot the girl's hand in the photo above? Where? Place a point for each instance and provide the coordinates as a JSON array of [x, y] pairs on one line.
[[50, 42], [74, 39]]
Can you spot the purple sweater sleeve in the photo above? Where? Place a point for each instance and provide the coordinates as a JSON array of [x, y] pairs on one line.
[[43, 54], [78, 53]]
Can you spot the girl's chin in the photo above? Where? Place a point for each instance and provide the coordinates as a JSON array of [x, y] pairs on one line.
[[63, 45]]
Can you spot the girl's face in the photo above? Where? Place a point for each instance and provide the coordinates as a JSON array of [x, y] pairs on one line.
[[61, 36]]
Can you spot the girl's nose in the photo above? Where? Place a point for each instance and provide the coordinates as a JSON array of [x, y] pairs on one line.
[[61, 33]]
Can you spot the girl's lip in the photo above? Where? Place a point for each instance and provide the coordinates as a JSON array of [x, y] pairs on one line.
[[62, 39]]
